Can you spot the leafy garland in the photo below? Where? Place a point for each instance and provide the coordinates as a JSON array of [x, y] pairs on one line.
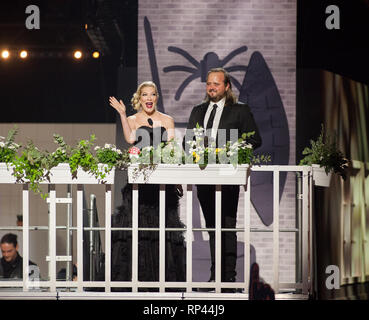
[[34, 165]]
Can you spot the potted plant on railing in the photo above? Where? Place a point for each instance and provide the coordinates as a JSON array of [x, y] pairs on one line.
[[325, 158], [34, 166], [203, 161]]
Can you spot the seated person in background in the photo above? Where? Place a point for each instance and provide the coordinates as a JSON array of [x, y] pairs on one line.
[[62, 274], [11, 264]]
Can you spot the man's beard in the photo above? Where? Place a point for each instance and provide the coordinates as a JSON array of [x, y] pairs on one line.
[[215, 98]]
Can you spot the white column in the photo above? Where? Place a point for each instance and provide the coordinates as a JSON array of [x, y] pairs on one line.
[[25, 236], [107, 237], [80, 237], [311, 252], [276, 229], [305, 243], [189, 237], [162, 239], [134, 237], [247, 210], [218, 238], [52, 238]]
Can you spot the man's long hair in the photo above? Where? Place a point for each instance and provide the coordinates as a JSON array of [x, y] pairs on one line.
[[230, 96]]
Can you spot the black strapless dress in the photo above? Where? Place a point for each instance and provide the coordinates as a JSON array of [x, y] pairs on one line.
[[148, 241]]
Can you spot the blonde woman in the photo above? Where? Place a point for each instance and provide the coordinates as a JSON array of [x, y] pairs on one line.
[[147, 127], [144, 101]]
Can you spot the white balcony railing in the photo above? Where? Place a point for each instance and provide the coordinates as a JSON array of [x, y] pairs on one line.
[[187, 175]]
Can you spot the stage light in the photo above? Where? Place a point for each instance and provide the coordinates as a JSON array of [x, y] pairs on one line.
[[96, 54], [23, 54], [5, 54], [77, 54]]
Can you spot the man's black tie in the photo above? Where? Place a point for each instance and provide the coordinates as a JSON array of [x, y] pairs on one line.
[[209, 125]]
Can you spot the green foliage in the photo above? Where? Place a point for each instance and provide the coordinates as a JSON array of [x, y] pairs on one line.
[[81, 156], [8, 148], [325, 153], [111, 157], [31, 165]]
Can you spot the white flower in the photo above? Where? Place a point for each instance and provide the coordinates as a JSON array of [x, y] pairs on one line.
[[2, 144], [133, 156], [198, 132], [107, 146], [1, 137], [119, 152], [191, 143], [97, 148], [249, 145]]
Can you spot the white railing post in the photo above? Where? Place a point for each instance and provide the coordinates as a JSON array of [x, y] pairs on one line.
[[311, 251], [52, 238], [189, 237], [162, 238], [25, 195], [80, 238], [305, 225], [107, 237], [246, 212], [134, 237], [276, 229], [218, 237]]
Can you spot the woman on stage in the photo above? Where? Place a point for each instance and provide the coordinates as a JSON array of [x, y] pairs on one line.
[[143, 129]]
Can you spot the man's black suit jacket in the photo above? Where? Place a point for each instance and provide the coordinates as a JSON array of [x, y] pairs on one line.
[[237, 116]]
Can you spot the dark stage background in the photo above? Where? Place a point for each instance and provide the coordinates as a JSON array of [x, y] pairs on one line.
[[332, 89], [52, 87]]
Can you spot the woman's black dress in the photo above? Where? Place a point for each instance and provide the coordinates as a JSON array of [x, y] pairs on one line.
[[148, 241]]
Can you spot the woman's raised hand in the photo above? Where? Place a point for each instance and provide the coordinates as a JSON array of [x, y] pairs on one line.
[[119, 106]]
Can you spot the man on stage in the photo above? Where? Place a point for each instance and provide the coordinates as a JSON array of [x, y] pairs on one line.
[[220, 112]]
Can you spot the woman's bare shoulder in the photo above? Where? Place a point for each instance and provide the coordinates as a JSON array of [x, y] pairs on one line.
[[166, 117], [132, 120]]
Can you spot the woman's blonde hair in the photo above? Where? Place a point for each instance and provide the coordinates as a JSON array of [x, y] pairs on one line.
[[136, 96]]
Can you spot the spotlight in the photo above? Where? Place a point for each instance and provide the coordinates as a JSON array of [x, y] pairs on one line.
[[5, 54], [23, 54], [96, 54], [77, 54]]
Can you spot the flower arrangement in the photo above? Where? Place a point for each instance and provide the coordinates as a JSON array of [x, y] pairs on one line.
[[326, 154], [33, 165], [236, 153]]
